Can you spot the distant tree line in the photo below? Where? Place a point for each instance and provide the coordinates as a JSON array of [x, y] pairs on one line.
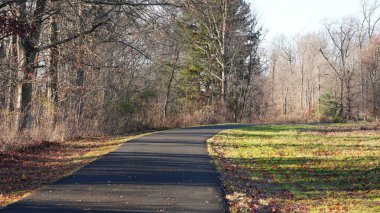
[[332, 75]]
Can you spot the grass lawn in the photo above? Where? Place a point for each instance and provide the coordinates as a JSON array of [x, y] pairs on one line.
[[300, 168], [23, 171]]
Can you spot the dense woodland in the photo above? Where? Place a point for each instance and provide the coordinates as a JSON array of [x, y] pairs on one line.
[[84, 68]]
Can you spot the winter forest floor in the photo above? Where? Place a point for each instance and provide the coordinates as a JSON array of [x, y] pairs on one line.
[[300, 168], [24, 171]]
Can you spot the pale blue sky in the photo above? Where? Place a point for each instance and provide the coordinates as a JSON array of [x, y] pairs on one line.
[[293, 17]]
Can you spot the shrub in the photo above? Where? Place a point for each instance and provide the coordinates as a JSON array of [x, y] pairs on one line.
[[329, 109]]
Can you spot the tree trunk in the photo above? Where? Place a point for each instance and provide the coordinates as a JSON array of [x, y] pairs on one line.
[[24, 88], [223, 52], [319, 89], [80, 71], [285, 105], [19, 84], [27, 88], [11, 56], [53, 63], [52, 87], [26, 56], [374, 105], [248, 84], [341, 103], [302, 86], [223, 87], [348, 96], [168, 91]]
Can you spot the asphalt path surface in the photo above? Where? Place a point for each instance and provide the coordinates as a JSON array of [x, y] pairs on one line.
[[168, 171]]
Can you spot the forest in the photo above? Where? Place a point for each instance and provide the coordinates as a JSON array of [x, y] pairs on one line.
[[84, 68]]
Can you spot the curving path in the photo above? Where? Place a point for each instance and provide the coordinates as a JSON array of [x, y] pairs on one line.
[[168, 171]]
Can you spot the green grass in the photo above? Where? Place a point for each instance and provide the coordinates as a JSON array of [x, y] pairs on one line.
[[300, 168]]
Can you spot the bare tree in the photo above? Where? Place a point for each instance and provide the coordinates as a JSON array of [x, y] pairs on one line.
[[341, 36]]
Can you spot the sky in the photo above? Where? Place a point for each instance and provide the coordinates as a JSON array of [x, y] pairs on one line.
[[296, 17]]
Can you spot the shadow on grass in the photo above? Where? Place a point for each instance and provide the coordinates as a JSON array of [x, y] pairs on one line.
[[311, 145], [305, 177], [306, 128], [276, 128]]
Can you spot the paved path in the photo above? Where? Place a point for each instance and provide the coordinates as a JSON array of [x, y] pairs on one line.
[[169, 171]]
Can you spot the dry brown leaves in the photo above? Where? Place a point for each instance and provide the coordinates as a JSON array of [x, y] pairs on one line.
[[26, 170], [246, 194]]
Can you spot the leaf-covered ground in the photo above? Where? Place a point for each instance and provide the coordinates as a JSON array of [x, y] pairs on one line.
[[300, 168], [23, 171]]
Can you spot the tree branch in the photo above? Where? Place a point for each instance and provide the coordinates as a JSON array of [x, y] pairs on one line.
[[128, 3], [68, 39], [6, 3], [130, 46], [329, 62]]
